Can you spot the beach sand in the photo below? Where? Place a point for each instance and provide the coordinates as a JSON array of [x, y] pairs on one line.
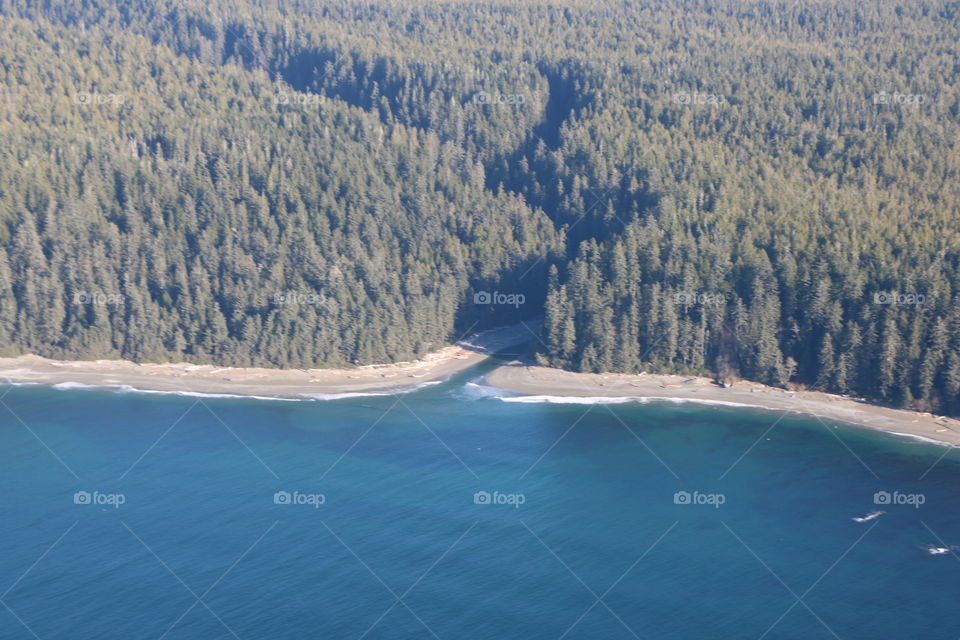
[[443, 363], [211, 379], [543, 381]]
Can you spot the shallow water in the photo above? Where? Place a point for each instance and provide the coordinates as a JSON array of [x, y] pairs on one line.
[[578, 535]]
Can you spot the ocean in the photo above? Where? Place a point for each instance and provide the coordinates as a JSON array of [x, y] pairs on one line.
[[451, 512]]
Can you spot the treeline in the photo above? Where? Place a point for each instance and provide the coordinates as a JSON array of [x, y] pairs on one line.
[[758, 189]]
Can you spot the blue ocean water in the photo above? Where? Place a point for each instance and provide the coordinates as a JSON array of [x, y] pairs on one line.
[[449, 514]]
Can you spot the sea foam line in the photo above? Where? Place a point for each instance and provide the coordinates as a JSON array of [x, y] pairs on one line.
[[366, 394], [543, 399], [625, 399], [473, 391], [125, 388], [299, 397], [914, 436]]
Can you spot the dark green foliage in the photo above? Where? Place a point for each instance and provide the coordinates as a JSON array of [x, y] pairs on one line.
[[690, 186], [178, 210]]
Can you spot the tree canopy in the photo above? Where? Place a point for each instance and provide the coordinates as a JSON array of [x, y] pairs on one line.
[[763, 189]]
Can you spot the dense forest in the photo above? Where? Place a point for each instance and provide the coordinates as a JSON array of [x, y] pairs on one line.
[[759, 189]]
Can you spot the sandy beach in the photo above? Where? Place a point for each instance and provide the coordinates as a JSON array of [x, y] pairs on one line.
[[546, 382], [260, 382], [550, 384]]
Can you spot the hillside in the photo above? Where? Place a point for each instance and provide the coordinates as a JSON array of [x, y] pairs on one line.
[[758, 189]]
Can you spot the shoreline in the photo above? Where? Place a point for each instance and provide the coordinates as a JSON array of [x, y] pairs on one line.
[[533, 383], [258, 382], [543, 384]]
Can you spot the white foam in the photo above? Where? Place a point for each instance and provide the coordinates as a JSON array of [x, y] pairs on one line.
[[300, 397], [19, 384], [366, 394], [873, 515], [76, 385], [923, 439], [721, 403], [623, 400], [342, 396], [125, 388], [474, 391]]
